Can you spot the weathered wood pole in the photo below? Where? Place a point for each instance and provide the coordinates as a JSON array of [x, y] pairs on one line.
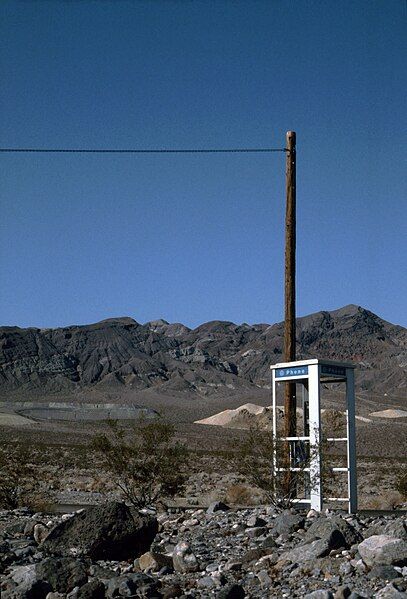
[[290, 244]]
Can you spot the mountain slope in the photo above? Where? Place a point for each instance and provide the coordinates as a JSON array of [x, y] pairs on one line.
[[217, 357]]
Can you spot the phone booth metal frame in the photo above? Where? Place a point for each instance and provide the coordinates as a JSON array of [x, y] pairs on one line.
[[311, 374]]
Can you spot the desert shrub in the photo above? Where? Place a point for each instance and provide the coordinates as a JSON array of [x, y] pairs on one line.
[[146, 467], [242, 495], [21, 483], [254, 460], [386, 500], [401, 482]]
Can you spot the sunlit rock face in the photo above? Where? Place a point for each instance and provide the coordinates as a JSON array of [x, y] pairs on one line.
[[216, 358]]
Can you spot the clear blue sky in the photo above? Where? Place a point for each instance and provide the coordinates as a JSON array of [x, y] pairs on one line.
[[196, 238]]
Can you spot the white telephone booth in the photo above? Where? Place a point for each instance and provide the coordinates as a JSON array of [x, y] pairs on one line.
[[311, 374]]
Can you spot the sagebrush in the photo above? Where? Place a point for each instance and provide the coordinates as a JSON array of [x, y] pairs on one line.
[[145, 464], [22, 483]]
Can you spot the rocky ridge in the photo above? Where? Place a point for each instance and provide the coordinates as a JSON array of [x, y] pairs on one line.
[[215, 358], [218, 552]]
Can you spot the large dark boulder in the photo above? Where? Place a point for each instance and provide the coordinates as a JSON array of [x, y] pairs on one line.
[[335, 530], [95, 589], [62, 573], [111, 532], [287, 522]]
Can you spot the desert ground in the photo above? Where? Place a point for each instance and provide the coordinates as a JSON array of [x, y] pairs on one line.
[[62, 436]]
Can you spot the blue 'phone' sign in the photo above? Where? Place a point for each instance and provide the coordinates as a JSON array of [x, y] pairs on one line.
[[292, 371]]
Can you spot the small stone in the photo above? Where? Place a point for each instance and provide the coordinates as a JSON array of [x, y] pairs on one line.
[[345, 568], [390, 592], [231, 591], [212, 567], [253, 533], [40, 532], [342, 592], [233, 566], [207, 582], [153, 562], [310, 551], [287, 523], [190, 523], [264, 578], [320, 594], [217, 506], [255, 521], [171, 591], [183, 558], [384, 572]]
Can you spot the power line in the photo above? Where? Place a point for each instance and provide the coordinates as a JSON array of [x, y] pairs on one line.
[[142, 151]]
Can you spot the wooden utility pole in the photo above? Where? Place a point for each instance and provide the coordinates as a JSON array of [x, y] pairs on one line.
[[290, 403]]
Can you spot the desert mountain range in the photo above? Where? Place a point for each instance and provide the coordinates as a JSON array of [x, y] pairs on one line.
[[215, 358]]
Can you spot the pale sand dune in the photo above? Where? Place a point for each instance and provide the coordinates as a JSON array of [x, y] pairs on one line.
[[224, 418], [390, 413], [229, 417]]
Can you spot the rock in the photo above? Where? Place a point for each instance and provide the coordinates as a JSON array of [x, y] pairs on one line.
[[206, 582], [320, 594], [253, 533], [128, 585], [15, 529], [383, 550], [231, 591], [311, 551], [40, 532], [255, 521], [183, 558], [63, 574], [23, 583], [336, 530], [217, 506], [264, 578], [153, 562], [29, 529], [287, 523], [384, 572], [53, 595], [111, 531], [173, 590], [397, 529], [254, 554], [390, 592], [233, 566], [342, 592], [269, 543], [266, 562], [94, 589]]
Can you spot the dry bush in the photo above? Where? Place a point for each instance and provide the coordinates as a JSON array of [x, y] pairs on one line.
[[22, 483], [148, 466], [401, 482], [242, 495], [387, 500], [254, 461]]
